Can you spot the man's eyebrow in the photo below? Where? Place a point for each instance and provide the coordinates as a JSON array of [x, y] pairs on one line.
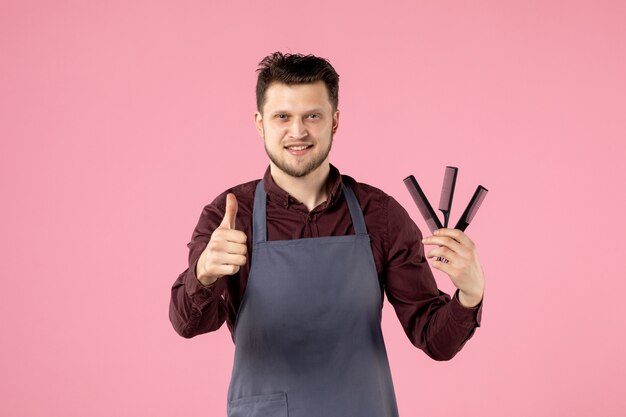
[[315, 110]]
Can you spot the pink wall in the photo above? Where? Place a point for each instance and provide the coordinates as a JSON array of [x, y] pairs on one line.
[[120, 120]]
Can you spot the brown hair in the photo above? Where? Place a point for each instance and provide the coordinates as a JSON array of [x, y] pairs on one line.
[[293, 69]]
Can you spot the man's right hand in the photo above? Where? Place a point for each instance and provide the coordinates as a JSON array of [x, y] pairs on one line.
[[226, 251]]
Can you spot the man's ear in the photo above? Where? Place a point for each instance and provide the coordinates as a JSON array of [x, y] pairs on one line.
[[258, 123], [335, 121]]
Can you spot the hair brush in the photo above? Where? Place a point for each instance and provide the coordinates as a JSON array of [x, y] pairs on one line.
[[432, 221], [445, 202], [447, 192], [472, 208]]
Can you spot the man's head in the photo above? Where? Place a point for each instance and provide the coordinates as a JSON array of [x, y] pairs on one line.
[[292, 69], [297, 112]]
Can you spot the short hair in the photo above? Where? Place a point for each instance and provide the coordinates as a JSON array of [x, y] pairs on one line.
[[291, 69]]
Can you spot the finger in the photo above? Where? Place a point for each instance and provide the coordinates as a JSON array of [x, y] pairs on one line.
[[443, 252], [222, 270], [446, 242], [234, 248], [443, 267], [231, 259], [238, 248], [230, 214], [229, 235], [457, 235], [217, 247]]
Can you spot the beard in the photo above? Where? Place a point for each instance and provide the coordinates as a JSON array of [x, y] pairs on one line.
[[304, 170]]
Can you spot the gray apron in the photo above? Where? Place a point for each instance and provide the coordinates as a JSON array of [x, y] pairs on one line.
[[308, 341]]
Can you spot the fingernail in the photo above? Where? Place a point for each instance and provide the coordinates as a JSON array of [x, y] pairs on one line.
[[436, 232]]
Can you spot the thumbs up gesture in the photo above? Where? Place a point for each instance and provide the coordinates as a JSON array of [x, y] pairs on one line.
[[226, 251]]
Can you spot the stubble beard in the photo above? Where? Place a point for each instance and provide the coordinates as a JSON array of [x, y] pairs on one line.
[[311, 166]]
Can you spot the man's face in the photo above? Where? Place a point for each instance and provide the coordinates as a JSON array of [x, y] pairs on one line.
[[297, 124]]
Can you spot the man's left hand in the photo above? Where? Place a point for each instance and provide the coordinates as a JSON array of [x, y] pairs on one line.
[[463, 266]]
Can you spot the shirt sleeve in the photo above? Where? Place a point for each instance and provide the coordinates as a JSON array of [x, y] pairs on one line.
[[194, 307], [433, 321]]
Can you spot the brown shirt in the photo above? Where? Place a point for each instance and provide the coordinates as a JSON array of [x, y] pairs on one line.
[[432, 320]]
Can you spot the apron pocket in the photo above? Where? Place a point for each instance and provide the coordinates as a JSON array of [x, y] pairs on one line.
[[272, 405]]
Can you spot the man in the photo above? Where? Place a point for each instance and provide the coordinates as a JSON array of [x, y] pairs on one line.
[[297, 263]]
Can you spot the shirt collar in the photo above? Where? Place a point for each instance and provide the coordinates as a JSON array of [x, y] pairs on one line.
[[280, 196]]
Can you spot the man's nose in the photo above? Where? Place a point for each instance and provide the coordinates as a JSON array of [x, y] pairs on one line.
[[297, 129]]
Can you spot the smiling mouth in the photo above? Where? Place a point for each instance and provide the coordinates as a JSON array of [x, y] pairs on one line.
[[298, 148]]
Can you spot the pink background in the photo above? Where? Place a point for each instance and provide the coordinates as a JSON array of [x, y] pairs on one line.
[[120, 120]]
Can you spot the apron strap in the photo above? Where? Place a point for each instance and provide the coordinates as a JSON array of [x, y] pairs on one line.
[[355, 210], [259, 212]]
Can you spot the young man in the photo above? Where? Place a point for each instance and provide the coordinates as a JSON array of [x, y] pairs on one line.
[[297, 264]]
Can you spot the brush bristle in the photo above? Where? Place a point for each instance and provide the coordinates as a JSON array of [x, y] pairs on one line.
[[422, 203], [481, 194], [447, 190]]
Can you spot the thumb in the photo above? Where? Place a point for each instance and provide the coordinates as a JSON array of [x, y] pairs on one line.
[[230, 213]]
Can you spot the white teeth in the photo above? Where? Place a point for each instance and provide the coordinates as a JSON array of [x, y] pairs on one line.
[[297, 148]]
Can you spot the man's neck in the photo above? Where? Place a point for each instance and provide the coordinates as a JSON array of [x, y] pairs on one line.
[[311, 190]]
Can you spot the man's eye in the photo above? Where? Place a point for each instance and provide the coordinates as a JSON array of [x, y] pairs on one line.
[[314, 116]]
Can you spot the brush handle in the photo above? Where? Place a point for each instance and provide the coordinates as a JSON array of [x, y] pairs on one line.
[[472, 208], [446, 217], [447, 193], [429, 215], [461, 225]]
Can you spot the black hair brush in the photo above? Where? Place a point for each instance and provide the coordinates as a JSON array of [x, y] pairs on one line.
[[447, 192], [432, 221], [472, 208], [445, 202]]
